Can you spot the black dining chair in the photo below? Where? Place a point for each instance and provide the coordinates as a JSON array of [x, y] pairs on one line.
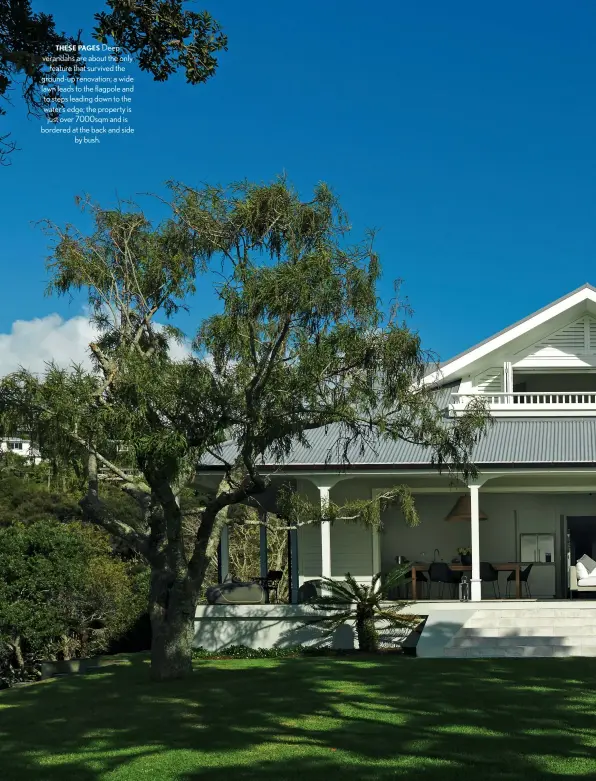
[[488, 574], [440, 572], [270, 583], [523, 577]]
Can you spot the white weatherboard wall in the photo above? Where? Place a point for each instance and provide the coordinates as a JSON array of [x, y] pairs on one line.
[[309, 538], [352, 544]]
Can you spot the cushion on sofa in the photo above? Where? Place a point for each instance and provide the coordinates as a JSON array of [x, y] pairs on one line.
[[588, 562], [585, 567], [581, 571], [589, 581]]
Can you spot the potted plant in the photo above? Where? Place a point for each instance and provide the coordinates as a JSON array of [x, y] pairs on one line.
[[465, 555]]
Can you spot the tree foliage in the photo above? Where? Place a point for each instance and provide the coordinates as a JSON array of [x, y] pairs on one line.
[[301, 342], [63, 594], [163, 36], [52, 490]]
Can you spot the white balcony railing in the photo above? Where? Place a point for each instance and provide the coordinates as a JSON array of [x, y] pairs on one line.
[[556, 402]]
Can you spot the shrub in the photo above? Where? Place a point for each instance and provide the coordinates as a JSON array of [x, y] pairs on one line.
[[244, 652], [63, 594]]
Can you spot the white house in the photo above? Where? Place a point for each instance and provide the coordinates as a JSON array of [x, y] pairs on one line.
[[537, 467]]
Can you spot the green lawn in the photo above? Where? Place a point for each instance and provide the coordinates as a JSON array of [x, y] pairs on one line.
[[308, 719]]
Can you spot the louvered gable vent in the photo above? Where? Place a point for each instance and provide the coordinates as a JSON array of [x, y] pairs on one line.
[[568, 346], [572, 338], [489, 381], [592, 333]]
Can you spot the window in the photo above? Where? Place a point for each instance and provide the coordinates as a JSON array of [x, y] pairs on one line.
[[15, 445]]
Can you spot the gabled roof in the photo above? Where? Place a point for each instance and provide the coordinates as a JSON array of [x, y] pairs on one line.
[[457, 364]]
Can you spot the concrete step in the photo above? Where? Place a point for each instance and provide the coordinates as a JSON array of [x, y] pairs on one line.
[[535, 628], [486, 617], [512, 642], [573, 612], [533, 623], [526, 632], [521, 651], [530, 631]]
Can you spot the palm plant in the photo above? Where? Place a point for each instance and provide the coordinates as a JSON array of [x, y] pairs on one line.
[[349, 601]]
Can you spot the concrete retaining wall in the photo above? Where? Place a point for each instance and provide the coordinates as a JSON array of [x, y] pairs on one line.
[[273, 626]]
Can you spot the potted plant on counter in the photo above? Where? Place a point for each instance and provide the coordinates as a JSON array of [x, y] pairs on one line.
[[465, 555]]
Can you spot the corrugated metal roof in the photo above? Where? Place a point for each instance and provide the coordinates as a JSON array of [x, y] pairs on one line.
[[509, 441], [321, 442], [443, 394]]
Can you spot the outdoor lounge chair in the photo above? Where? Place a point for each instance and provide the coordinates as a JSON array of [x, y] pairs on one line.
[[235, 592]]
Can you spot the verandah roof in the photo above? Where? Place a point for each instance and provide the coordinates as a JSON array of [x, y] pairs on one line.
[[508, 442]]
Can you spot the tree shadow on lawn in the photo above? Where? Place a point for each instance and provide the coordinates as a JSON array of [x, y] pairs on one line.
[[308, 719]]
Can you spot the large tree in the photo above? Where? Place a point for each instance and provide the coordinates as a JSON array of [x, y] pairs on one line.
[[300, 341], [163, 36]]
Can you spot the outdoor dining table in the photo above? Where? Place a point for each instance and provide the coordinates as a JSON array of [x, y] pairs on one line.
[[509, 566]]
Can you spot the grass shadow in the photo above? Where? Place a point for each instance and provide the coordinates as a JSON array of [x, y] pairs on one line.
[[370, 718]]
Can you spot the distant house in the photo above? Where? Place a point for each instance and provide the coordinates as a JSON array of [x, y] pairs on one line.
[[21, 447]]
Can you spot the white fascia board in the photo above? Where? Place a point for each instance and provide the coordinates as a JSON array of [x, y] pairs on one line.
[[457, 365]]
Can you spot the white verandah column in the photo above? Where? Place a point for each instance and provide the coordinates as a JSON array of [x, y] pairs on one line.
[[476, 583], [325, 534]]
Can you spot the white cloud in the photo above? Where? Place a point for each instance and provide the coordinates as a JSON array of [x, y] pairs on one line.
[[33, 343]]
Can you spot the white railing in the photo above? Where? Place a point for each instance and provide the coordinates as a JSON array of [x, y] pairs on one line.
[[520, 402]]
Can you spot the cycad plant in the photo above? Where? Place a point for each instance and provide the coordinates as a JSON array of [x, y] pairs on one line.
[[349, 601]]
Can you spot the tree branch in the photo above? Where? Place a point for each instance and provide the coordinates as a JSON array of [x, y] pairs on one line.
[[95, 511]]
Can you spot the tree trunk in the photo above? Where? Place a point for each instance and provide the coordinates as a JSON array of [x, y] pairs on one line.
[[172, 611], [368, 638], [18, 652], [66, 655]]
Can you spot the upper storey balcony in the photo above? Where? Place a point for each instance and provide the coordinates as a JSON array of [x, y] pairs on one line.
[[536, 394]]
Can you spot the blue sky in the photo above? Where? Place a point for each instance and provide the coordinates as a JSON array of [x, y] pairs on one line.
[[464, 131]]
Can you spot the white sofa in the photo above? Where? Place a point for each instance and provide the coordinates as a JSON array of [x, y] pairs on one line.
[[582, 585]]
